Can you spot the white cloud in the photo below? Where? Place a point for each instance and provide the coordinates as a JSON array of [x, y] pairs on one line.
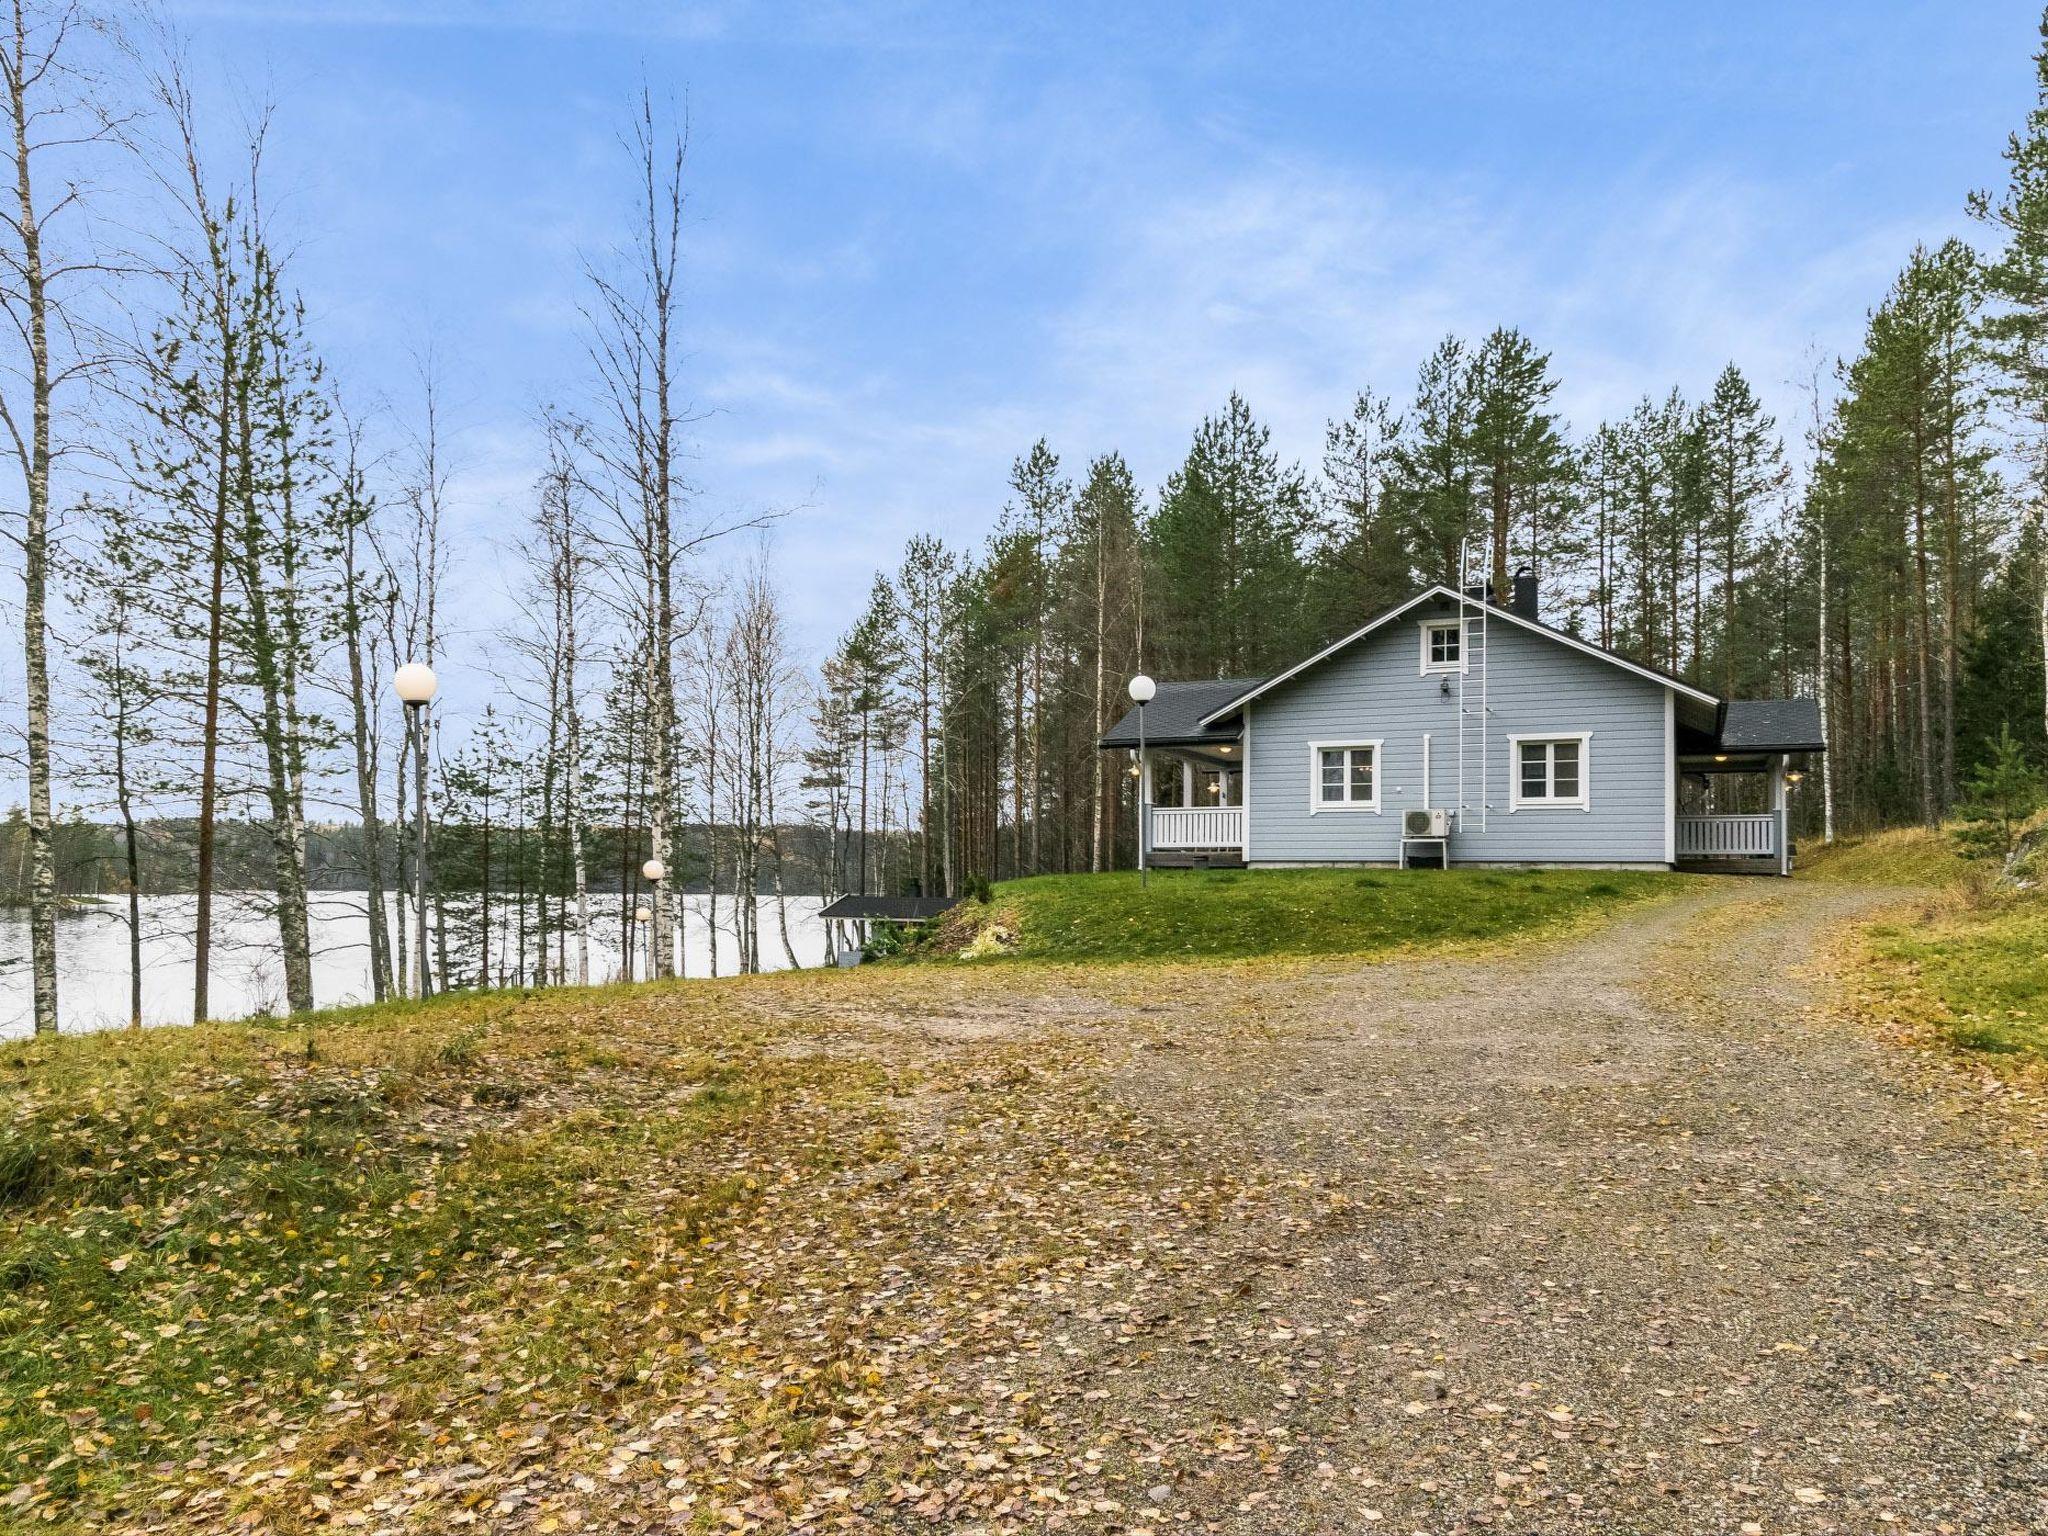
[[1296, 283]]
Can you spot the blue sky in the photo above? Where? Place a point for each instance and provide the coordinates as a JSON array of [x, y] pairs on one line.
[[921, 236]]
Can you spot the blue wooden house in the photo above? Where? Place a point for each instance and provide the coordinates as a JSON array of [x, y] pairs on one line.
[[1455, 729]]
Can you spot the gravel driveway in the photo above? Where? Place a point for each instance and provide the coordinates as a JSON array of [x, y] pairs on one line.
[[1629, 1234]]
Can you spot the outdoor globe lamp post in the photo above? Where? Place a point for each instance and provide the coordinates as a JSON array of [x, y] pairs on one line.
[[416, 685], [654, 870], [1142, 689], [644, 918]]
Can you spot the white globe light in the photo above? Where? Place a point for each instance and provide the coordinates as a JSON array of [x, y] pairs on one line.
[[415, 682], [641, 914], [654, 869], [1142, 688]]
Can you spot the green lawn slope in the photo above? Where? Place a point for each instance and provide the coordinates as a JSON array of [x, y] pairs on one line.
[[1977, 973], [1243, 914], [1901, 856], [1969, 965]]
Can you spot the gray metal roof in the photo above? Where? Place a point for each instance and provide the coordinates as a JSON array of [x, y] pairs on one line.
[[890, 909], [1174, 717], [1771, 725]]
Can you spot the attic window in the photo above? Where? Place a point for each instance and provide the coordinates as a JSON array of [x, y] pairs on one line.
[[1443, 645]]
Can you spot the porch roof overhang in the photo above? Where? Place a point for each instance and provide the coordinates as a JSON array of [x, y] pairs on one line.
[[1745, 734], [1772, 725], [1174, 718]]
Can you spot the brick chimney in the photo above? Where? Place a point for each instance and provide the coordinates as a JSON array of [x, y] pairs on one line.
[[1525, 600]]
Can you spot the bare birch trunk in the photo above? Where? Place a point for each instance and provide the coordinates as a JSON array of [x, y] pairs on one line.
[[1822, 679], [131, 853], [266, 648], [24, 71], [1097, 766], [364, 741], [1923, 642]]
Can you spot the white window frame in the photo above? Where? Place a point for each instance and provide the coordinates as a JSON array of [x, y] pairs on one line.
[[1316, 803], [1428, 627], [1584, 799]]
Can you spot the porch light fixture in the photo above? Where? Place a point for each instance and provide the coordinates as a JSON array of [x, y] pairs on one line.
[[1720, 757], [1215, 789], [1224, 750], [1794, 776]]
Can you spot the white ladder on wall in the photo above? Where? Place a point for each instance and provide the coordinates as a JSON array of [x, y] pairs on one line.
[[1466, 661]]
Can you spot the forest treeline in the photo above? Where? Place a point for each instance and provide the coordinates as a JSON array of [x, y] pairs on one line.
[[92, 859], [226, 553]]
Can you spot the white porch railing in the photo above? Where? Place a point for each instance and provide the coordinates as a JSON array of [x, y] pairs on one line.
[[1728, 837], [1202, 826]]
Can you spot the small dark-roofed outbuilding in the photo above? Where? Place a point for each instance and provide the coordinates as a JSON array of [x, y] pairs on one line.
[[888, 909]]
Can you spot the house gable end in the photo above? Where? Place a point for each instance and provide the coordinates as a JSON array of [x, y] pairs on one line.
[[1492, 614]]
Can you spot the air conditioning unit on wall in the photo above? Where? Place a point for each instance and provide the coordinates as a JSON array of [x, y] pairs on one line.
[[1426, 823]]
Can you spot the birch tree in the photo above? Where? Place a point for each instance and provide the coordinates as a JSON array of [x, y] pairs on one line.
[[111, 585], [56, 112], [634, 321], [366, 589], [192, 370]]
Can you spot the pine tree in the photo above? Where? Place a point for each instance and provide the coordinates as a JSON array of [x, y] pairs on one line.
[[2015, 328], [1744, 468], [1228, 545], [1106, 572], [1045, 508], [1363, 560], [111, 584], [1515, 446], [922, 584], [1435, 497]]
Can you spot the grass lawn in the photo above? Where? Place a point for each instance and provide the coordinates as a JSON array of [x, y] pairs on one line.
[[241, 1247], [1901, 856], [1976, 974], [1238, 914], [1971, 966]]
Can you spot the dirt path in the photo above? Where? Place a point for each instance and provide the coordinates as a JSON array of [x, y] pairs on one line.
[[1625, 1236]]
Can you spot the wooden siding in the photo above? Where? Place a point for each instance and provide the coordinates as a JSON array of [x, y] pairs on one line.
[[1535, 686]]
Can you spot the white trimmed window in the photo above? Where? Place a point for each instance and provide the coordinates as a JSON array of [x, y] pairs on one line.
[[1443, 645], [1550, 772], [1344, 776]]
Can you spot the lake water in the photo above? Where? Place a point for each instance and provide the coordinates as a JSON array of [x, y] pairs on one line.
[[248, 977]]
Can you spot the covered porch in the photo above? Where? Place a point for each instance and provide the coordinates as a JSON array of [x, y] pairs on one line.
[[1191, 807], [1188, 775], [1738, 787], [1734, 813]]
